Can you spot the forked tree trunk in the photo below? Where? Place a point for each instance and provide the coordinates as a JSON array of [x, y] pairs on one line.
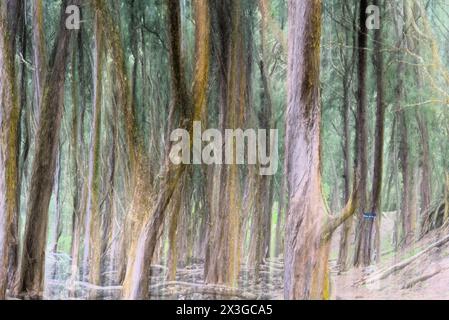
[[137, 278], [309, 227]]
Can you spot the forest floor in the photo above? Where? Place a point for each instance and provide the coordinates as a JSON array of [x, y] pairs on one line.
[[420, 271]]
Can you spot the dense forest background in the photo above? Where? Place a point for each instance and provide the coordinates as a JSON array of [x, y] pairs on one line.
[[91, 207]]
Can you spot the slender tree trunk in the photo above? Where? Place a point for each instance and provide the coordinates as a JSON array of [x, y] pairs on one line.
[[93, 238], [406, 210], [347, 226], [9, 126], [278, 240], [39, 54], [76, 165], [376, 196], [14, 252], [57, 223], [362, 249]]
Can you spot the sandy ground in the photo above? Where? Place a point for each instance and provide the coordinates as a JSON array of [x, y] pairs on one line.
[[425, 278]]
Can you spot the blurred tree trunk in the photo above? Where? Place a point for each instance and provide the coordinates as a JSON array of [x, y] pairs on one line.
[[57, 219], [93, 234], [406, 235], [39, 55], [138, 184], [362, 247], [261, 222], [137, 277], [376, 196], [77, 164], [31, 279], [9, 150], [345, 232], [224, 252], [22, 134]]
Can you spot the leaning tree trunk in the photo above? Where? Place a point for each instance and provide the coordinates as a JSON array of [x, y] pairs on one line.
[[308, 227], [31, 278], [137, 278], [140, 189]]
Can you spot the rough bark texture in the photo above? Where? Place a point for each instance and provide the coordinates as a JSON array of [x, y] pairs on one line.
[[376, 195], [309, 226], [9, 124], [306, 274]]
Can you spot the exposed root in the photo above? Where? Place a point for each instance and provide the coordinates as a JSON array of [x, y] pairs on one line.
[[422, 278], [380, 275]]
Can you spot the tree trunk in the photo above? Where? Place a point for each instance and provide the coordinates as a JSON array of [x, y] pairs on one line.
[[76, 165], [31, 281], [93, 238], [362, 247], [376, 196], [224, 252], [308, 227], [9, 126], [57, 223], [137, 278], [39, 54]]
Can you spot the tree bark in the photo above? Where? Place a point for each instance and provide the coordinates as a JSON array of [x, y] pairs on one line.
[[9, 126], [309, 227], [93, 238], [362, 247], [376, 195]]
